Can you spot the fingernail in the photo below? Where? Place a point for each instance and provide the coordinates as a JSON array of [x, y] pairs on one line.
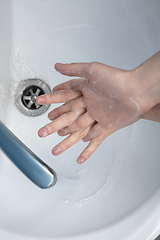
[[59, 64], [43, 132], [41, 100], [80, 160], [56, 150]]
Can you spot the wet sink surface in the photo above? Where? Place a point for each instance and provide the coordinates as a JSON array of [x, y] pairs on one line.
[[116, 188]]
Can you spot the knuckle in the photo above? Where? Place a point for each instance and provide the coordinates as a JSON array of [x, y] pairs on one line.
[[64, 145], [91, 68], [80, 123], [67, 145], [48, 98], [73, 127], [72, 94], [69, 95], [69, 117], [81, 134], [50, 127], [65, 94]]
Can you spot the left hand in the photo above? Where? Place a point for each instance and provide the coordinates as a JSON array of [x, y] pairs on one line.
[[76, 118]]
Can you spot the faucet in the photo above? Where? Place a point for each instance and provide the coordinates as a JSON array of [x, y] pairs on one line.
[[30, 164]]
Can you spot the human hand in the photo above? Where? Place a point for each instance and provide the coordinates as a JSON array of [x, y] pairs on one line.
[[72, 119], [112, 97], [117, 92], [57, 113]]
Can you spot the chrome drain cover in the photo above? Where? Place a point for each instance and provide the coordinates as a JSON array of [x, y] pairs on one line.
[[26, 94], [29, 97]]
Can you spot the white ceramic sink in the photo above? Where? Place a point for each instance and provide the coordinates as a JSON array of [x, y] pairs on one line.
[[116, 193]]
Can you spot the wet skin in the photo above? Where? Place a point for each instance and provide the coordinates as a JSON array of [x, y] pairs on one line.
[[99, 101]]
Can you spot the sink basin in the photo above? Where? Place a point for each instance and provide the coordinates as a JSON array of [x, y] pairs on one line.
[[116, 193]]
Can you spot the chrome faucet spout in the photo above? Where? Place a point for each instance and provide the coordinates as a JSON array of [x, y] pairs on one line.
[[30, 164]]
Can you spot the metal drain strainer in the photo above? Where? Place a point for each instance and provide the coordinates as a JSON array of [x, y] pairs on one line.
[[25, 96]]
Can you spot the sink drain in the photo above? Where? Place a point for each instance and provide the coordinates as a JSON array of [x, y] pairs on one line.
[[26, 94], [29, 97]]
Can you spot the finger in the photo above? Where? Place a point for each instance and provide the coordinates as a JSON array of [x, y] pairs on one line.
[[74, 104], [95, 132], [61, 122], [80, 123], [73, 69], [89, 150], [58, 97], [74, 84], [93, 145], [70, 141]]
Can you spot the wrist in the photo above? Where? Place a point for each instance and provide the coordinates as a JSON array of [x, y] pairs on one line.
[[146, 82]]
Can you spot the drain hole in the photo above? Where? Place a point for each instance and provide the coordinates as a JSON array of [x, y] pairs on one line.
[[30, 95], [26, 94]]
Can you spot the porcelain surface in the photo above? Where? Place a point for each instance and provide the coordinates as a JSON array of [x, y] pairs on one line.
[[116, 193]]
